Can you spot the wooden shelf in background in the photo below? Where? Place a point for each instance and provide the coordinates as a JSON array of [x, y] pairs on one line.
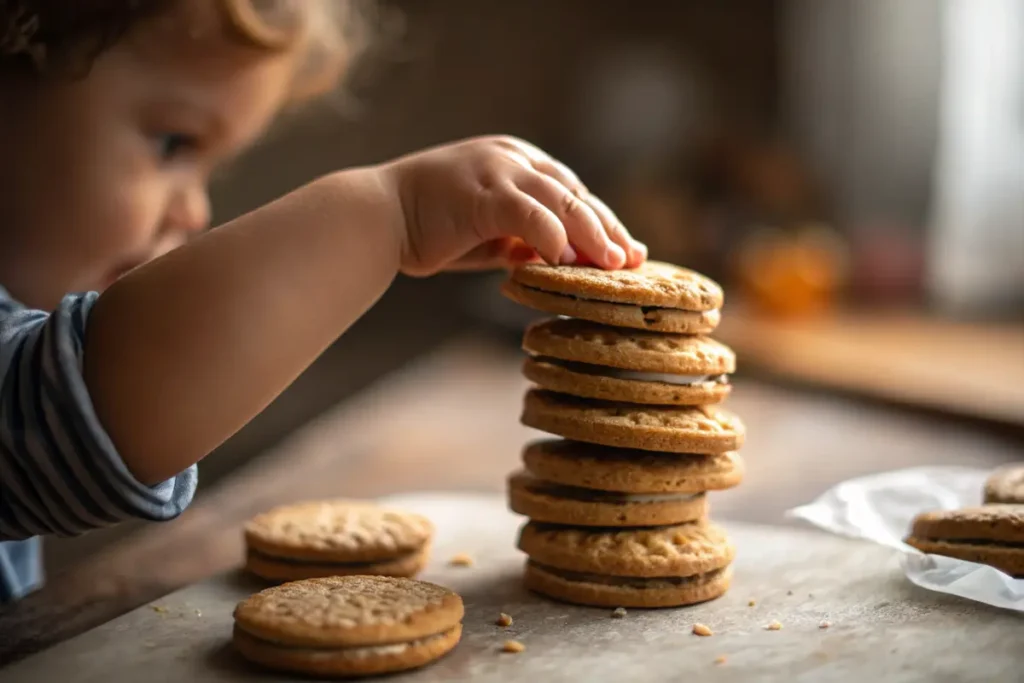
[[970, 370]]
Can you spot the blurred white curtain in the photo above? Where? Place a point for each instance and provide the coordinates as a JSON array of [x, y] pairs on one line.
[[977, 248]]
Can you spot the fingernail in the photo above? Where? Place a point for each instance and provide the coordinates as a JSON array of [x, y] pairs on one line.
[[640, 248], [616, 256], [568, 255]]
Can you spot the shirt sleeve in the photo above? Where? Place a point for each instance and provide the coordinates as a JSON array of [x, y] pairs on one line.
[[59, 471]]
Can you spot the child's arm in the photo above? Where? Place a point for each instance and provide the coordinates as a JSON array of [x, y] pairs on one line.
[[184, 351]]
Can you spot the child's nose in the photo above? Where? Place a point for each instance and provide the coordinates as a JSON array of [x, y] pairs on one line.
[[190, 211]]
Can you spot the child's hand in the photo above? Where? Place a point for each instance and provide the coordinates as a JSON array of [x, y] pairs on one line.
[[497, 201]]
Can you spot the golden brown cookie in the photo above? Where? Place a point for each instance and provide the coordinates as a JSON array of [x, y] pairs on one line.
[[544, 501], [590, 466], [347, 626], [282, 569], [677, 550], [335, 538], [993, 535], [619, 591], [1006, 485], [655, 567], [594, 381], [673, 429], [615, 364], [656, 296]]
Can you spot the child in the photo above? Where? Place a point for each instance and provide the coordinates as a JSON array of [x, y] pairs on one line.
[[113, 114]]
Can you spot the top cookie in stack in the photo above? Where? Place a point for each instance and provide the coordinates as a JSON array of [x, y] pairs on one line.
[[628, 374], [656, 296]]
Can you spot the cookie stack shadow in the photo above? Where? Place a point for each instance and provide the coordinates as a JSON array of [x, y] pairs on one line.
[[630, 383]]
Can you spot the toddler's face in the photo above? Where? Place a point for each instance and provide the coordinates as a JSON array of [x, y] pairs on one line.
[[106, 172]]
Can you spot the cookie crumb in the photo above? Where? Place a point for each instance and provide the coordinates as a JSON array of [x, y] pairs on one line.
[[159, 609], [618, 613], [504, 620], [461, 560], [810, 596], [751, 603], [720, 659], [702, 630], [198, 613], [512, 646], [789, 592], [824, 624], [773, 626]]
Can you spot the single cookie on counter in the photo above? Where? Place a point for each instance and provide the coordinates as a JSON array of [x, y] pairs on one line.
[[336, 538], [590, 466], [663, 566], [992, 535], [348, 625], [1006, 485], [656, 296], [587, 359], [545, 501], [673, 429]]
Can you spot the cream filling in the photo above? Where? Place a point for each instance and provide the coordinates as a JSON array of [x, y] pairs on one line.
[[629, 581], [594, 496], [358, 652], [324, 563], [636, 376]]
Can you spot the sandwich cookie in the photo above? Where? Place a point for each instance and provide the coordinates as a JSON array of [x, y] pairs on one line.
[[1006, 485], [657, 567], [336, 538], [656, 296], [348, 625], [586, 359], [992, 535], [673, 429], [588, 466], [545, 501]]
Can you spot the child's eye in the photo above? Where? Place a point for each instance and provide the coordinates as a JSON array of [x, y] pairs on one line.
[[171, 145]]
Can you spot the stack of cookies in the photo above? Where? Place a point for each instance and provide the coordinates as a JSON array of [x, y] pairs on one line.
[[618, 505]]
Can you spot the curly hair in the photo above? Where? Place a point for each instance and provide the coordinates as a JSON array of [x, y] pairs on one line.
[[62, 37]]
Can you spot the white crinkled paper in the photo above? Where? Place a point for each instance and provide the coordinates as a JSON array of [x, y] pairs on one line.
[[880, 508]]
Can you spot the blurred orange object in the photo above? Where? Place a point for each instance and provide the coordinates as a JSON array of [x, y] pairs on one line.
[[791, 273]]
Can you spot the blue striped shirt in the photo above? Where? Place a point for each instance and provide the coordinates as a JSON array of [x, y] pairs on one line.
[[59, 472]]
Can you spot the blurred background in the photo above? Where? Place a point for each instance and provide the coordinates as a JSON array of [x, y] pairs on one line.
[[851, 171]]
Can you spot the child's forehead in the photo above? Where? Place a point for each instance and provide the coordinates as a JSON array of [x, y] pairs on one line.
[[193, 33]]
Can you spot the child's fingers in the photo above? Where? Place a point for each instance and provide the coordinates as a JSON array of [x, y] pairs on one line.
[[582, 225], [504, 252], [636, 251], [513, 212]]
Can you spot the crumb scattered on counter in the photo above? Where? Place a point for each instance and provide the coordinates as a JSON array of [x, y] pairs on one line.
[[461, 560], [720, 659], [159, 609], [751, 603], [618, 613], [512, 646], [702, 630], [824, 624], [504, 620], [789, 592], [198, 613], [774, 626]]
